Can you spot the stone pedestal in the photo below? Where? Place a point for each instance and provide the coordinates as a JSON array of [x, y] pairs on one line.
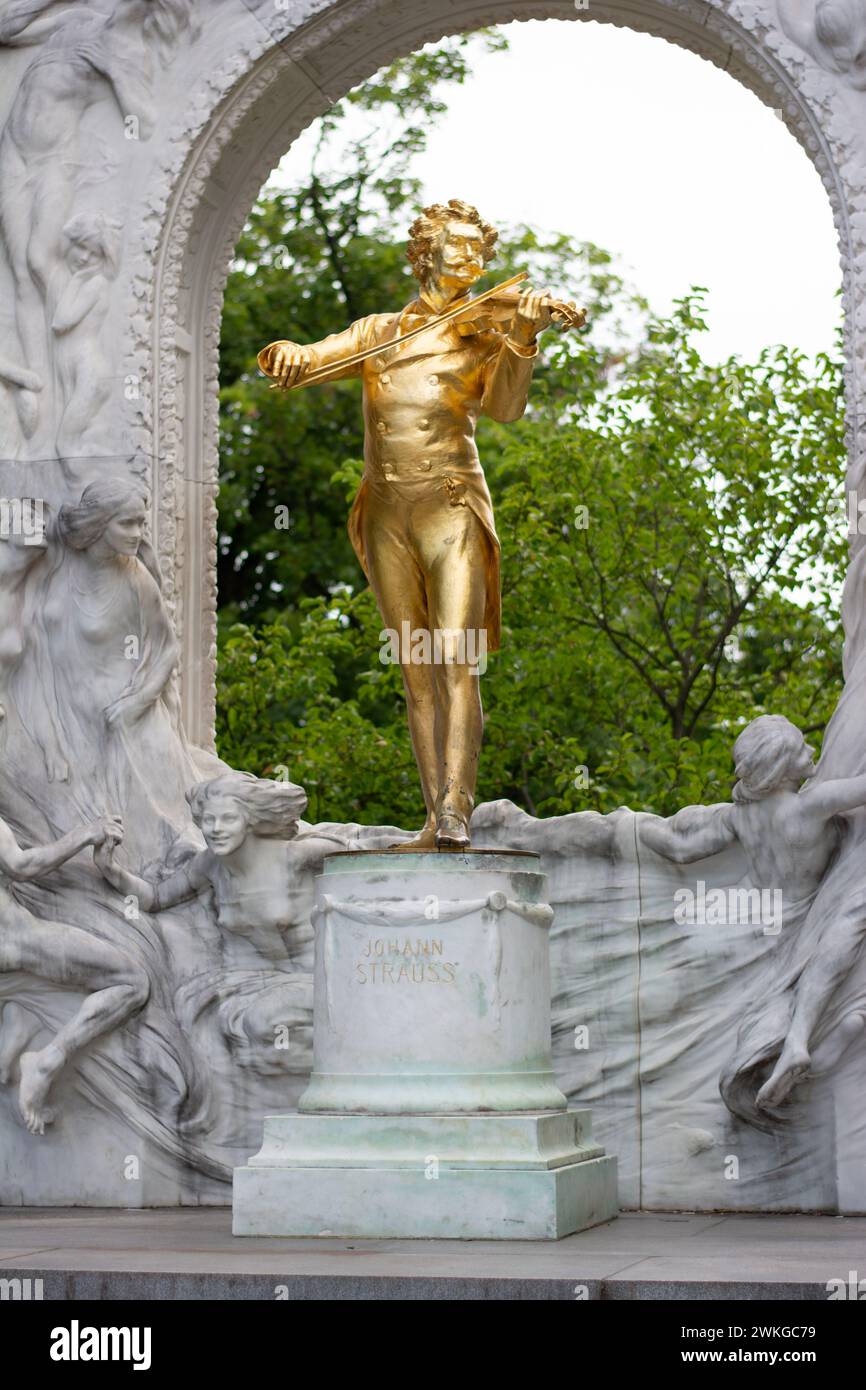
[[432, 1109]]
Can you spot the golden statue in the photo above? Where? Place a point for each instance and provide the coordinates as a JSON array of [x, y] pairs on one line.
[[422, 521]]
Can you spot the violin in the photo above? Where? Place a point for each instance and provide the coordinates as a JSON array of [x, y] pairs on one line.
[[500, 307], [499, 304]]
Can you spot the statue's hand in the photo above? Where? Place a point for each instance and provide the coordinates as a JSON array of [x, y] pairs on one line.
[[103, 857], [290, 361], [106, 833], [531, 316]]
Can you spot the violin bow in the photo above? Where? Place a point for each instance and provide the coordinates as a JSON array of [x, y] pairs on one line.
[[322, 373]]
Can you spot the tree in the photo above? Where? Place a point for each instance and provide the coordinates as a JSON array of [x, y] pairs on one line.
[[670, 560], [671, 552]]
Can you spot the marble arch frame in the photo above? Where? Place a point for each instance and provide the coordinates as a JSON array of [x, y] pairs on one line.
[[274, 70]]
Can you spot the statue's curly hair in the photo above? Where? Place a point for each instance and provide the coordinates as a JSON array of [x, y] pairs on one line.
[[165, 21], [426, 228]]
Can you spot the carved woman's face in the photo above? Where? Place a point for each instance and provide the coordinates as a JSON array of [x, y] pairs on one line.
[[223, 825], [125, 529], [803, 764], [82, 256]]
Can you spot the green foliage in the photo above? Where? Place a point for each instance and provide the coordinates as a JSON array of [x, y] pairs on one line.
[[660, 557], [311, 702], [671, 552]]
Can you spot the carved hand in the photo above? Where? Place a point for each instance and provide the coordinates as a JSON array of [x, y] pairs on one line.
[[289, 362], [531, 316], [105, 834]]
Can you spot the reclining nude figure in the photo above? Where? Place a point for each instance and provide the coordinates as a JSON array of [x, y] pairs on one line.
[[789, 837], [65, 956]]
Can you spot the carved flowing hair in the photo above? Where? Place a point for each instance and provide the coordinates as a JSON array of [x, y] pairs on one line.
[[166, 20], [838, 22], [80, 525], [271, 809], [426, 230], [763, 754]]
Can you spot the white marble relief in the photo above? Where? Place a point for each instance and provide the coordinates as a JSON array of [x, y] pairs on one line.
[[133, 137]]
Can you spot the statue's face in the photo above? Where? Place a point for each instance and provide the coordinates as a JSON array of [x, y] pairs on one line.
[[81, 256], [804, 763], [124, 531], [459, 258], [223, 825]]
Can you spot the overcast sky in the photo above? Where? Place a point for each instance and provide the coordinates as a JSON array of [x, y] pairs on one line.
[[651, 152]]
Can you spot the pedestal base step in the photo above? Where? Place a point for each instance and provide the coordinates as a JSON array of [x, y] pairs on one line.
[[478, 1177]]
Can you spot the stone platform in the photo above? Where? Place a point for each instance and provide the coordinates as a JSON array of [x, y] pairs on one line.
[[190, 1254], [432, 1110], [465, 1177]]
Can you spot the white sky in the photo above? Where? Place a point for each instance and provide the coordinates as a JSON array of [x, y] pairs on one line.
[[654, 154]]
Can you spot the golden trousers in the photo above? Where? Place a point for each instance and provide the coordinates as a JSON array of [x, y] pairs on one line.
[[428, 558]]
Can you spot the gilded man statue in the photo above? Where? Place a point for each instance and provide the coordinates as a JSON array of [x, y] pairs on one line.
[[422, 521]]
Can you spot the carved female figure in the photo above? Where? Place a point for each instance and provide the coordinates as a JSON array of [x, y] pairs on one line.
[[65, 956], [257, 871], [78, 305], [256, 865], [107, 659], [84, 53], [790, 837]]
